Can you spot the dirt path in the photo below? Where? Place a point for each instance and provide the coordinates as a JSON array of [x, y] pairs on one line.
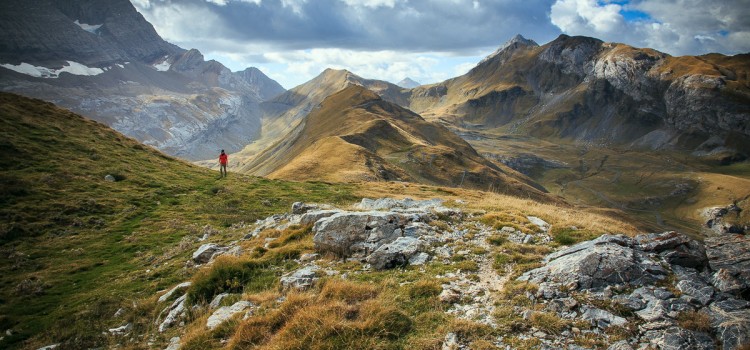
[[479, 297]]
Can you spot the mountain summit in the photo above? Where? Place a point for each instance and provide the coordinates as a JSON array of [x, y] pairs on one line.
[[408, 83], [584, 89], [512, 44], [95, 33]]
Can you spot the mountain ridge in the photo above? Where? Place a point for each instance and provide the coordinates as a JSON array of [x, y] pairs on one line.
[[379, 140], [617, 93], [117, 70]]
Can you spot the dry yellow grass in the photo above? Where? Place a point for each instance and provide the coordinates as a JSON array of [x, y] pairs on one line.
[[342, 315], [555, 211]]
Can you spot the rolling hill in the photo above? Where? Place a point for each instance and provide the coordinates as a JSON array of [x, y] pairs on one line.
[[75, 247], [355, 135], [284, 112]]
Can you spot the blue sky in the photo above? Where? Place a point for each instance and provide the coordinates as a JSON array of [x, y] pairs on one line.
[[429, 41]]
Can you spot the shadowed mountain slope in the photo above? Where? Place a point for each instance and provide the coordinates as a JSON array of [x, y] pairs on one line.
[[354, 135], [104, 60]]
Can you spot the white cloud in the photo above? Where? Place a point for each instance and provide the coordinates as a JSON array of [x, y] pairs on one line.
[[295, 5], [678, 27], [141, 4], [587, 17], [371, 3]]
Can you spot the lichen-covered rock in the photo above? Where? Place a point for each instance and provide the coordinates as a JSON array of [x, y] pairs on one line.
[[226, 312], [171, 292], [396, 253], [301, 279], [595, 264], [206, 252], [356, 233]]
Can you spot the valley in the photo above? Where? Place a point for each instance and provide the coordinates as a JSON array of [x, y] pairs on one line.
[[577, 194], [662, 189]]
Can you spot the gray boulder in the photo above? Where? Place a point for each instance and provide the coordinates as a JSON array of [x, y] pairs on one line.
[[226, 312], [396, 253], [206, 252], [601, 318], [356, 233], [598, 263], [732, 328], [729, 256], [301, 279]]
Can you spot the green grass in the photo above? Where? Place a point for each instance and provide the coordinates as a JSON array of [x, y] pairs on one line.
[[91, 246]]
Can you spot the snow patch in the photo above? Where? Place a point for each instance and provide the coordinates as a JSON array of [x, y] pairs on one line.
[[74, 68], [91, 28], [163, 66]]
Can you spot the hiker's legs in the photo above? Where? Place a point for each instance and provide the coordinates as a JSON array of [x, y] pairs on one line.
[[223, 170]]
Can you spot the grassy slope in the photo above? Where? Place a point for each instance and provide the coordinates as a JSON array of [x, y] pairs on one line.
[[392, 141], [283, 113], [95, 246], [664, 190], [75, 247]]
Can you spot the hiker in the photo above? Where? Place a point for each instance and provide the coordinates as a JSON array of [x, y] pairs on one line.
[[223, 159]]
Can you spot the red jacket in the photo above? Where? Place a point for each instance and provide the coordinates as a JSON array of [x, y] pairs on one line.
[[223, 159]]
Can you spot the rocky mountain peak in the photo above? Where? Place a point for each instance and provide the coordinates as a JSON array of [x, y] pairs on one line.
[[94, 33], [267, 87], [511, 45], [408, 83]]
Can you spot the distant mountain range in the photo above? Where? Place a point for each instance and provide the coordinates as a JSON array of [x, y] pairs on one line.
[[583, 89], [104, 60], [408, 83]]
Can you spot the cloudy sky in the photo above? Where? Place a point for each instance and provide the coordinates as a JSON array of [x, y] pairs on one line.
[[292, 41]]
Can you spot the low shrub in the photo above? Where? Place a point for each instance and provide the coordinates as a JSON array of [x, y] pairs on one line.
[[233, 275]]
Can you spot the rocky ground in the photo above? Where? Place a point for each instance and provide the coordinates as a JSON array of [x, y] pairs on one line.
[[651, 291]]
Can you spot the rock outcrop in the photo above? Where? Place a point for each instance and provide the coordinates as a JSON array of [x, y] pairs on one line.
[[384, 239], [673, 275]]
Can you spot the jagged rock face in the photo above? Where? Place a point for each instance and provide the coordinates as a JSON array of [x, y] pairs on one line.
[[142, 86], [45, 31], [584, 89], [611, 264], [267, 88]]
